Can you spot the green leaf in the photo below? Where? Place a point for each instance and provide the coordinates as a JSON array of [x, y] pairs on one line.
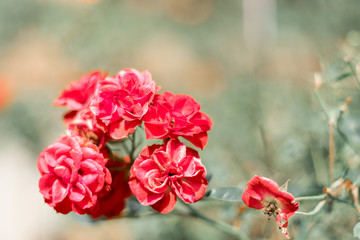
[[343, 76], [356, 230], [230, 194]]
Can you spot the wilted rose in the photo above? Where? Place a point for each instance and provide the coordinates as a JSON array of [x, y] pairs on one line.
[[264, 193]]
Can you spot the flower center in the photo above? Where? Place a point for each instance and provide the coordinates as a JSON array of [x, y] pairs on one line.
[[178, 171], [270, 209]]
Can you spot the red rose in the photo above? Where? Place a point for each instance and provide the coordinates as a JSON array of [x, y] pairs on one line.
[[177, 115], [72, 174], [264, 193], [80, 120], [79, 94], [162, 172], [122, 101]]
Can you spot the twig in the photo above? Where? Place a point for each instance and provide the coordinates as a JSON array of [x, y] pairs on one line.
[[322, 105], [341, 133], [306, 198], [317, 209], [324, 197]]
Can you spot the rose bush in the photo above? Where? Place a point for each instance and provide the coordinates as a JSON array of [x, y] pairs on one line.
[[81, 173]]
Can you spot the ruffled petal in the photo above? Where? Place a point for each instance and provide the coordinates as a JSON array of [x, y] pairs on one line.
[[166, 204]]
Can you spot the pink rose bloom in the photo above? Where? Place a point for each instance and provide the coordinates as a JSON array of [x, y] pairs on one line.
[[72, 174], [263, 193], [79, 94], [111, 202], [123, 100], [177, 115], [162, 172]]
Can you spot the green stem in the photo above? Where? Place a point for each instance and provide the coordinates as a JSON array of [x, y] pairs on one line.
[[306, 198], [224, 227], [133, 147], [353, 70], [343, 135], [317, 209], [322, 197], [322, 105]]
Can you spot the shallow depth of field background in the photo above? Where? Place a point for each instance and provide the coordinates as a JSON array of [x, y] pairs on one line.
[[249, 63]]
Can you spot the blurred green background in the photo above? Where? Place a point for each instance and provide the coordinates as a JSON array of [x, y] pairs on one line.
[[249, 63]]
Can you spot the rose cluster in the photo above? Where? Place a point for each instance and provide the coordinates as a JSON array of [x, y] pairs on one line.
[[80, 173]]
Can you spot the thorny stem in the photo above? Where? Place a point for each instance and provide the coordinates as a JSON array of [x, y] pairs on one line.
[[341, 133], [224, 227]]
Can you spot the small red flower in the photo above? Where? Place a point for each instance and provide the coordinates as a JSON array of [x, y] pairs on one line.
[[73, 173], [162, 172], [177, 115], [122, 101], [111, 202], [79, 94], [264, 193]]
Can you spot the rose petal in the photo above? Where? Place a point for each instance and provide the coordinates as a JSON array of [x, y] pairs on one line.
[[165, 204], [59, 191], [144, 196]]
